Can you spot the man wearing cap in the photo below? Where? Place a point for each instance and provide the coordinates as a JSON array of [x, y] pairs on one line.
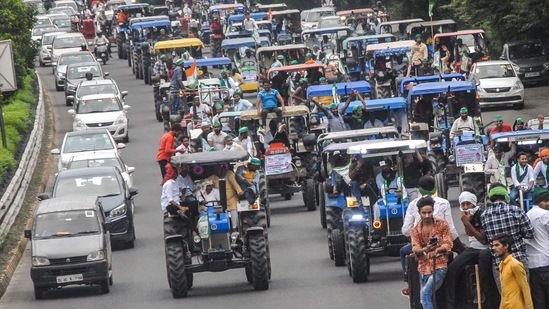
[[216, 139], [208, 194], [495, 166], [278, 62], [522, 175], [241, 104], [309, 59], [441, 209], [335, 120], [537, 249], [247, 176], [464, 123], [300, 93], [244, 141], [311, 41], [166, 149], [160, 68], [226, 81], [520, 125], [419, 56], [500, 127], [502, 218], [200, 110], [203, 137], [217, 110], [176, 84], [162, 36], [230, 145], [470, 216], [267, 103], [542, 166], [358, 117], [276, 133], [249, 23]]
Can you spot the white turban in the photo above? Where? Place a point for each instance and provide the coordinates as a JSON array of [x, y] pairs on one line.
[[467, 197]]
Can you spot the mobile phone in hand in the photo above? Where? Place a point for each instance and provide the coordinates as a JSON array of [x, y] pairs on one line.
[[433, 240]]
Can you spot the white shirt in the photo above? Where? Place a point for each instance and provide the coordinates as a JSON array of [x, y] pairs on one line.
[[213, 196], [526, 180], [202, 111], [496, 169], [249, 24], [243, 105], [537, 248], [170, 192], [460, 124], [185, 183], [327, 46], [245, 144], [377, 124], [441, 210], [217, 140], [541, 167]]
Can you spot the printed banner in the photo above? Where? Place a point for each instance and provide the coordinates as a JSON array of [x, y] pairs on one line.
[[278, 164], [471, 153]]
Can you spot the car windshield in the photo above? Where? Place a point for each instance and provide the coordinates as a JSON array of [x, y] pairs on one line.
[[330, 23], [96, 89], [96, 185], [66, 224], [43, 21], [68, 42], [95, 163], [528, 50], [48, 39], [80, 71], [494, 71], [103, 105], [88, 142], [62, 22], [81, 57], [314, 16], [39, 31], [66, 8]]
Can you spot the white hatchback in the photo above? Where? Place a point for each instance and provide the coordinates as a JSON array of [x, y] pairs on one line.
[[497, 84], [102, 111]]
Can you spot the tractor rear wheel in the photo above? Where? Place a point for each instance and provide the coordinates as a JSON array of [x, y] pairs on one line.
[[333, 218], [322, 205], [309, 195], [474, 183], [441, 186], [338, 247], [258, 260]]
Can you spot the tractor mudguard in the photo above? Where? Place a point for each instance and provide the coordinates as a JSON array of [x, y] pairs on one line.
[[174, 238], [254, 230]]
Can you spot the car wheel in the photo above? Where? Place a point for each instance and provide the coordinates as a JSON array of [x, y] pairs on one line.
[[105, 287], [126, 138], [39, 292], [58, 88], [42, 64]]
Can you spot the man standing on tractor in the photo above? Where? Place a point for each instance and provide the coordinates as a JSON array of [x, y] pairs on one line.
[[358, 117], [419, 56], [311, 41], [335, 120], [267, 103], [122, 17], [464, 123], [166, 149], [431, 242], [543, 166], [247, 176], [176, 84], [495, 166], [327, 46], [160, 68], [300, 93], [523, 178], [249, 23]]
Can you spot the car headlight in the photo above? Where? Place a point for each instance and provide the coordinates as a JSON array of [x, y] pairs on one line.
[[546, 65], [71, 87], [118, 211], [357, 217], [78, 123], [96, 256], [60, 74], [54, 58], [121, 120], [479, 89], [40, 261], [517, 85]]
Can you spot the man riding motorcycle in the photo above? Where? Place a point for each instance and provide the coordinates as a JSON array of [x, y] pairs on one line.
[[102, 39]]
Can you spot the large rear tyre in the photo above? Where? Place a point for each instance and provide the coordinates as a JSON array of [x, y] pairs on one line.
[[333, 218], [338, 246], [258, 260], [383, 92], [322, 205], [441, 186], [146, 75], [474, 183], [176, 269], [358, 259], [309, 195], [264, 198]]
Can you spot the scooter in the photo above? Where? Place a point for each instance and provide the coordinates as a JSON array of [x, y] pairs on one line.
[[102, 52]]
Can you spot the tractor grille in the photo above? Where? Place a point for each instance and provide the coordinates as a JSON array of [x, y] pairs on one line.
[[497, 90], [219, 242], [69, 260]]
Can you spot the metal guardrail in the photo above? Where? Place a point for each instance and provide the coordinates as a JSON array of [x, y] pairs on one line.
[[13, 198]]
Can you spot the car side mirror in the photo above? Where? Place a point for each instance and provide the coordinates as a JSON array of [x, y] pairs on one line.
[[106, 74], [54, 64], [133, 191], [131, 169], [70, 98], [48, 48], [71, 112], [120, 146], [43, 196], [28, 234], [126, 108], [55, 151], [124, 93]]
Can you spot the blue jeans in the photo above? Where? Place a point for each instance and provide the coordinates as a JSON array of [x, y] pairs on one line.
[[426, 284], [175, 104], [514, 195], [250, 192], [404, 252], [370, 191]]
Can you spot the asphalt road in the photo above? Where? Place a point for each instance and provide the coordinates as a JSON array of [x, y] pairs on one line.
[[303, 276]]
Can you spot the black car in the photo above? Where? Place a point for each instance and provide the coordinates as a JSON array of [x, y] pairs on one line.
[[76, 72], [116, 198], [530, 59]]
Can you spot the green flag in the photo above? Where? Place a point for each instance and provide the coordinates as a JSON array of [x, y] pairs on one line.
[[431, 7]]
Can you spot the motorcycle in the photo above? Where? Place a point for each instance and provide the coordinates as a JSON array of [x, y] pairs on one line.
[[102, 52]]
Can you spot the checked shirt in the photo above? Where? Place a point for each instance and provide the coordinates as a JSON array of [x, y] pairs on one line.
[[511, 220]]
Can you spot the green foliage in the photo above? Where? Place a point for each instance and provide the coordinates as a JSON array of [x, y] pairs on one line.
[[15, 19], [6, 161], [16, 115]]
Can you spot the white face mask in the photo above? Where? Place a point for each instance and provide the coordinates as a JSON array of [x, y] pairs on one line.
[[471, 211]]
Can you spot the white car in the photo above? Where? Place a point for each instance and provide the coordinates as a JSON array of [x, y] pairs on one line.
[[101, 111], [64, 60], [85, 142], [103, 159], [310, 18], [37, 32], [497, 84], [44, 57], [97, 86], [66, 43]]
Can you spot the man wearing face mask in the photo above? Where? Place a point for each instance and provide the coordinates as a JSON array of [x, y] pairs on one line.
[[470, 216]]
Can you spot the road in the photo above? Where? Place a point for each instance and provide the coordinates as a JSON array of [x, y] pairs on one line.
[[303, 275]]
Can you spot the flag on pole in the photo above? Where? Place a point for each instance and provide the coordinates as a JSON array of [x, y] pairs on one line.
[[255, 36], [334, 94], [192, 76], [270, 15], [431, 7]]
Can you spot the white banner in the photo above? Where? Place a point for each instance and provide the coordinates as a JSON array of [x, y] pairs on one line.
[[278, 164], [471, 153]]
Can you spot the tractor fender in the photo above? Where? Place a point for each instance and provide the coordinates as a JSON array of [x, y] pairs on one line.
[[174, 238], [254, 230]]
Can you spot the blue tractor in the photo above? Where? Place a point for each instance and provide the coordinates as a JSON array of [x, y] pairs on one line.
[[144, 36], [122, 37], [227, 239]]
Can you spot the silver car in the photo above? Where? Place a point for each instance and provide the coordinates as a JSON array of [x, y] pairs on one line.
[[60, 66], [97, 86], [44, 56], [497, 84]]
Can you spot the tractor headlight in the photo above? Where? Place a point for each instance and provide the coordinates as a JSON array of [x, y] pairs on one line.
[[357, 218], [298, 163]]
